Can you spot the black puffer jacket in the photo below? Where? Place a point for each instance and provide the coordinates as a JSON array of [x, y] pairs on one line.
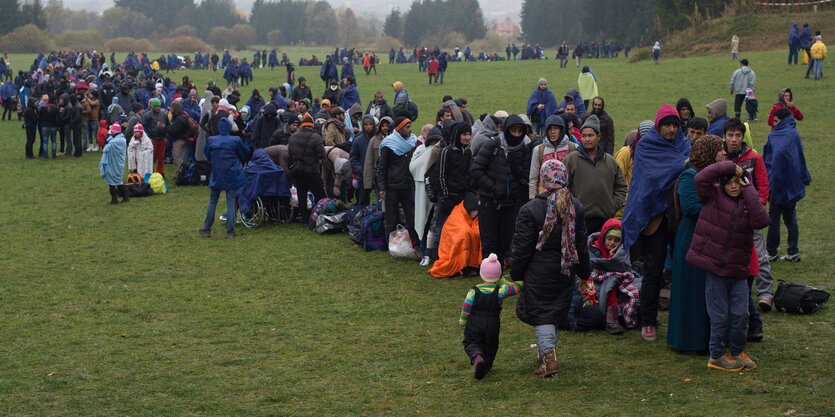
[[547, 293], [308, 147], [454, 166], [265, 126], [393, 171], [500, 173]]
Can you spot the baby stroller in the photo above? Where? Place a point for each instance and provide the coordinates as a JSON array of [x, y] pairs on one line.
[[266, 194]]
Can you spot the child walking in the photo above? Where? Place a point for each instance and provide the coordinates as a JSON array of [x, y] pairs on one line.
[[722, 246], [481, 315]]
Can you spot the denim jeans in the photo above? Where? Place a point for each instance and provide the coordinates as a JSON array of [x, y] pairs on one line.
[[47, 135], [818, 68], [727, 306], [763, 279], [789, 215], [546, 337], [90, 130], [230, 210], [68, 133]]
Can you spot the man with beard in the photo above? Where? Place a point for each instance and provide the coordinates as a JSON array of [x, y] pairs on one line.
[[378, 107], [607, 126], [334, 132], [541, 104], [302, 91], [359, 148]]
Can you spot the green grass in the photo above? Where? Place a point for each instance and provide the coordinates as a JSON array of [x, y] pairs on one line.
[[126, 311]]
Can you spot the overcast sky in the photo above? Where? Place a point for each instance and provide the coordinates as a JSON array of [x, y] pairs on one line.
[[498, 9]]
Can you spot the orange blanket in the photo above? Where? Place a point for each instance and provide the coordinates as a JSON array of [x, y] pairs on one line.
[[460, 245]]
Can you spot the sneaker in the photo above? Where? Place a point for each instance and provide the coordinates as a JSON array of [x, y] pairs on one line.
[[754, 334], [222, 217], [747, 363], [424, 261], [205, 232], [765, 303], [791, 258], [773, 258], [479, 367], [648, 333], [231, 234], [726, 363]]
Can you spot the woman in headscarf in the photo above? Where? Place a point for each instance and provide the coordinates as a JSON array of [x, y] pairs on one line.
[[689, 324], [550, 236]]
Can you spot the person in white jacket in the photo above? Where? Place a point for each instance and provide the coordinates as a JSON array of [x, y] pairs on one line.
[[140, 152], [422, 161]]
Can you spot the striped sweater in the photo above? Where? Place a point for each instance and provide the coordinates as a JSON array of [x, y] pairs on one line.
[[508, 289]]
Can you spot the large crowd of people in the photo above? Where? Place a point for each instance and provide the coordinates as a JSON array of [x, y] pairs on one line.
[[588, 237]]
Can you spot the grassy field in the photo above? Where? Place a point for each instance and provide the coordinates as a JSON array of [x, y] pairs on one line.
[[125, 311]]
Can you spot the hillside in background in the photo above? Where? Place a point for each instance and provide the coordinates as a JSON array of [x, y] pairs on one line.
[[757, 32]]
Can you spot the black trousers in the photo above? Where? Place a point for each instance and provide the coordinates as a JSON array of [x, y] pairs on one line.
[[30, 141], [481, 337], [62, 136], [363, 196], [496, 221], [654, 251], [308, 182], [811, 61], [738, 100], [76, 141], [396, 199]]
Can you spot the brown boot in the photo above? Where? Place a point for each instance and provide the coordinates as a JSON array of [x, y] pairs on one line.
[[540, 364], [550, 364], [612, 324]]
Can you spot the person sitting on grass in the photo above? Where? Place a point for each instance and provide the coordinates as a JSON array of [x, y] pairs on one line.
[[459, 248], [481, 315], [112, 164], [722, 246], [612, 272]]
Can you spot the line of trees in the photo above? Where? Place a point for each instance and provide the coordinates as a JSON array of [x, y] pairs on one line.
[[428, 18], [14, 14], [549, 22]]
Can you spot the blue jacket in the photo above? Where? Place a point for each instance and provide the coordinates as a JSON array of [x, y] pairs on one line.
[[357, 156], [785, 164], [350, 95], [347, 69], [226, 153], [538, 97], [112, 163], [717, 127], [806, 38], [231, 72], [245, 71], [656, 165], [192, 109], [794, 37]]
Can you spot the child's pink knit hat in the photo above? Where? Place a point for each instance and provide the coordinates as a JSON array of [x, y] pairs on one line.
[[491, 269]]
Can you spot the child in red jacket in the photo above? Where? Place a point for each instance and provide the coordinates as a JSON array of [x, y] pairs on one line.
[[101, 135], [722, 246]]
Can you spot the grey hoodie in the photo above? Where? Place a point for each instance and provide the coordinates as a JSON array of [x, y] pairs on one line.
[[488, 130], [744, 77]]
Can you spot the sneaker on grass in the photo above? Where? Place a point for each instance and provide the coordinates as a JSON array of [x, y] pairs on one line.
[[726, 363], [791, 258], [747, 363]]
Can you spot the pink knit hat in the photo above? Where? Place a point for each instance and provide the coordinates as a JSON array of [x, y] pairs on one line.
[[491, 269], [138, 128], [115, 128]]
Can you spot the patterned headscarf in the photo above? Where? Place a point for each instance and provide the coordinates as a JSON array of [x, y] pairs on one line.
[[560, 204], [704, 150]]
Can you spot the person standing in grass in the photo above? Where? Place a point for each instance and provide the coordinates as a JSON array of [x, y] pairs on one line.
[[689, 324], [112, 164], [818, 54], [722, 246], [227, 154], [735, 47], [784, 100], [548, 251], [541, 104], [481, 315], [788, 176], [741, 80]]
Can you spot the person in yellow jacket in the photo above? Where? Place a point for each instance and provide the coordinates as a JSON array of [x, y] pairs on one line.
[[818, 51], [155, 66]]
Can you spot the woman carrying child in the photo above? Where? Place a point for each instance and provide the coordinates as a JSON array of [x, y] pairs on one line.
[[550, 236], [722, 246]]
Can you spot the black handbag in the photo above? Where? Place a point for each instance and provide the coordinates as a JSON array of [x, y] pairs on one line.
[[799, 298]]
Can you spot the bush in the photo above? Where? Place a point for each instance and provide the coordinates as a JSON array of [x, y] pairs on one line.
[[185, 30], [221, 37], [28, 38], [243, 35], [492, 42], [188, 44], [275, 37], [383, 43], [444, 39], [79, 40], [127, 45], [642, 54]]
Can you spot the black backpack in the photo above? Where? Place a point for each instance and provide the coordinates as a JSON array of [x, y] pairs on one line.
[[799, 298]]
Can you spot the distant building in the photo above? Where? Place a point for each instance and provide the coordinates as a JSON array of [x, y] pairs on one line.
[[508, 30]]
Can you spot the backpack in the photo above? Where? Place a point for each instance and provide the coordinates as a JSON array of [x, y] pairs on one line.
[[373, 232], [408, 109], [157, 183], [331, 222], [193, 130], [134, 178], [135, 189], [195, 173], [799, 298], [354, 219], [432, 181], [323, 207]]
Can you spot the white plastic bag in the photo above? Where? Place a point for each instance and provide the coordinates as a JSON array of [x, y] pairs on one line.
[[400, 244], [294, 197]]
